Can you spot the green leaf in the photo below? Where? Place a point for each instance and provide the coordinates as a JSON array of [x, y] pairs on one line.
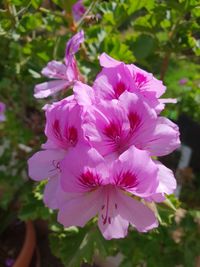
[[36, 3], [138, 4], [143, 46], [74, 248]]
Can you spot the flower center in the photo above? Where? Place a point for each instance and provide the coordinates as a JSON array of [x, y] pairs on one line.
[[134, 120], [56, 130], [72, 136], [68, 138], [140, 80], [113, 132], [119, 89], [126, 180], [89, 180]]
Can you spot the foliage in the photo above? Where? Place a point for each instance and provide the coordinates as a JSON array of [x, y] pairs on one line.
[[160, 36]]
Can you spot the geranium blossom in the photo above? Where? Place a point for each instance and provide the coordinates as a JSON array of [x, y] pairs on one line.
[[116, 125], [117, 77], [100, 142], [78, 10], [112, 127], [101, 187], [63, 133], [64, 74], [2, 110]]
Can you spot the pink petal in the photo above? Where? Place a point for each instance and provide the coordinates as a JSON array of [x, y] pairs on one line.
[[141, 217], [51, 193], [63, 124], [157, 197], [168, 100], [135, 172], [46, 89], [142, 119], [44, 164], [79, 210], [110, 83], [73, 71], [162, 101], [105, 126], [54, 196], [110, 222], [147, 82], [164, 139], [72, 46], [107, 61], [78, 10], [118, 210], [84, 94], [55, 69], [49, 145], [76, 162], [167, 181]]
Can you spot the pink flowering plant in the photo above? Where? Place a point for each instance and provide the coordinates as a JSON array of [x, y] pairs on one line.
[[100, 157], [94, 91]]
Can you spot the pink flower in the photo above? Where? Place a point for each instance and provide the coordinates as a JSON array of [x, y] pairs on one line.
[[2, 110], [117, 77], [64, 133], [183, 81], [78, 10], [64, 74], [108, 188], [113, 126], [97, 157]]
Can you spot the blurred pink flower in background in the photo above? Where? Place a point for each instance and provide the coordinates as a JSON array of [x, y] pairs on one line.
[[9, 262], [2, 110], [78, 10], [183, 81]]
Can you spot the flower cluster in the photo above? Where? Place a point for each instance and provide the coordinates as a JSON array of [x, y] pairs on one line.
[[102, 144]]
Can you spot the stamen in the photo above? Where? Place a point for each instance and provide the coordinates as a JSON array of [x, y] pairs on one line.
[[106, 218], [56, 165], [113, 132]]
